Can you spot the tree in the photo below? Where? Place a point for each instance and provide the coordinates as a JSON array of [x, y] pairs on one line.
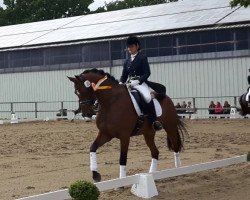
[[244, 3], [2, 17], [21, 11]]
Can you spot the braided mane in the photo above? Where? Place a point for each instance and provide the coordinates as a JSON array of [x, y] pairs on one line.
[[101, 72]]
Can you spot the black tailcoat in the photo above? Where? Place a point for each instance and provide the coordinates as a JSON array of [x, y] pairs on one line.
[[138, 67]]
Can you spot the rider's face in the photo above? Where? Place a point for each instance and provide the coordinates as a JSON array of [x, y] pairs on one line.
[[133, 49]]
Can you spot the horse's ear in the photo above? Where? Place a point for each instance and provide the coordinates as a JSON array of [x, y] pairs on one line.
[[72, 79], [78, 77]]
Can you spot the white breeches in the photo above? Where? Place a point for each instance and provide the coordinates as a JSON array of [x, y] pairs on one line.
[[144, 91], [248, 94]]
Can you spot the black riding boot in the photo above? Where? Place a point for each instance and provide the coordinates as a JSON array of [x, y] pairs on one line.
[[152, 116]]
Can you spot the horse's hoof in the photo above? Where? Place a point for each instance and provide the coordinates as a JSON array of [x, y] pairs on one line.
[[96, 176]]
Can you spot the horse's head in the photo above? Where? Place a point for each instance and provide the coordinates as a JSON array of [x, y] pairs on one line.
[[87, 85], [85, 96]]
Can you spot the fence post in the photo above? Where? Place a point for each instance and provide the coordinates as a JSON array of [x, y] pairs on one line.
[[35, 109], [235, 101], [194, 106], [61, 111], [11, 107]]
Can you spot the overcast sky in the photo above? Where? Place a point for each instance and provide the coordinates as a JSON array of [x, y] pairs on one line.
[[93, 6]]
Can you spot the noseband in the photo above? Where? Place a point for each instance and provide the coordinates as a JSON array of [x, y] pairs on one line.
[[86, 102]]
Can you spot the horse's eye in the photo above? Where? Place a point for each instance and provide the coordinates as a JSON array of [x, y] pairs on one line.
[[87, 84]]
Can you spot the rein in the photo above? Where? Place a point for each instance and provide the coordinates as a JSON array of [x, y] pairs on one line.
[[85, 102]]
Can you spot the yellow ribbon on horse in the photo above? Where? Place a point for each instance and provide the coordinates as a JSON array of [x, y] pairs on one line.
[[97, 85]]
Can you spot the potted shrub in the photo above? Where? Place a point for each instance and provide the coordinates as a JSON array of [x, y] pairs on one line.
[[83, 190]]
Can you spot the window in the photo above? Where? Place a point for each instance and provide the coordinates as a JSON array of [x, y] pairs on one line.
[[242, 39], [19, 59], [3, 60], [168, 51], [193, 43], [151, 42], [151, 46], [62, 55], [166, 41], [96, 52], [166, 44], [117, 50], [224, 40], [36, 57], [208, 41], [181, 44]]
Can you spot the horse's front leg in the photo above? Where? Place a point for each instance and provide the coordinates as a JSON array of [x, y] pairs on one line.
[[124, 143], [99, 141]]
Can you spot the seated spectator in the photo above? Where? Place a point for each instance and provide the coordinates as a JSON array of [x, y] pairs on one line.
[[211, 108], [218, 108], [190, 108], [183, 107], [178, 106], [226, 108]]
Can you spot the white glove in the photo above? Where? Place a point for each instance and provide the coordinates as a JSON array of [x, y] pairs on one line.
[[120, 83], [133, 83]]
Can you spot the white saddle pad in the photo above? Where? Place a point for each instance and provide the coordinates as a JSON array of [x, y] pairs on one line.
[[158, 108]]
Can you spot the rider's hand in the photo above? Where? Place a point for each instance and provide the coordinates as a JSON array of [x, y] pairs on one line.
[[133, 83], [120, 83]]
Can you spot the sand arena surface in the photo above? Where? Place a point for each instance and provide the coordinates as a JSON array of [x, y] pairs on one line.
[[45, 156]]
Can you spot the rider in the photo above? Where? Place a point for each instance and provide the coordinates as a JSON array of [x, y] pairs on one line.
[[248, 78], [136, 71], [248, 93]]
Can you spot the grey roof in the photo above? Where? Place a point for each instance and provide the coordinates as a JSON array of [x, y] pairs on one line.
[[149, 19]]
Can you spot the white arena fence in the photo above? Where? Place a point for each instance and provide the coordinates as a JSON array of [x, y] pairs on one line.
[[14, 119], [43, 109], [37, 110], [143, 185]]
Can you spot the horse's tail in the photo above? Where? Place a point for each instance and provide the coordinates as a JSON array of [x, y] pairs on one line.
[[175, 135], [181, 131]]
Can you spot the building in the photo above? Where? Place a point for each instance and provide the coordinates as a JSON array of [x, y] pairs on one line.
[[196, 48]]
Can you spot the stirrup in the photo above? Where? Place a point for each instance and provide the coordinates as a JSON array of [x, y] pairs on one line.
[[157, 125]]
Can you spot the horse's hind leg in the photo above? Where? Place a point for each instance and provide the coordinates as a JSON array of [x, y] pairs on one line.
[[150, 141], [177, 160], [99, 141], [124, 143]]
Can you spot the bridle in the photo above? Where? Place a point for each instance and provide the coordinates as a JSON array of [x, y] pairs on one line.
[[95, 87], [86, 101]]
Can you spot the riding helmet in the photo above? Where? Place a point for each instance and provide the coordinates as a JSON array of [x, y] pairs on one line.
[[133, 40]]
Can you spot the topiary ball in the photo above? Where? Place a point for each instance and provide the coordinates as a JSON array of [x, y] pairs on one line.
[[83, 190], [248, 156]]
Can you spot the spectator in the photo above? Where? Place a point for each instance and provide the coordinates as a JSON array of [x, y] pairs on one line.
[[218, 108], [211, 108], [178, 106], [183, 107], [226, 108], [190, 109]]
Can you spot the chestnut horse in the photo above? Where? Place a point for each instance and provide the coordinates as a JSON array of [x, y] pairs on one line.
[[117, 118]]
